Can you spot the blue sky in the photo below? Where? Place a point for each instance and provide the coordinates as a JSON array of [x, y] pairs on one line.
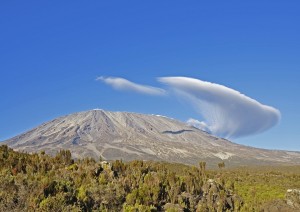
[[52, 51]]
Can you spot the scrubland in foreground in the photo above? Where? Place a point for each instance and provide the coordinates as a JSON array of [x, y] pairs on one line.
[[39, 182]]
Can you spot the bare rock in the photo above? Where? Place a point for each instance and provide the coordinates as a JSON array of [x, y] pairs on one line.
[[132, 136]]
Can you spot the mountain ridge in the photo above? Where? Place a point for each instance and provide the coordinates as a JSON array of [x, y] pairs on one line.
[[128, 136]]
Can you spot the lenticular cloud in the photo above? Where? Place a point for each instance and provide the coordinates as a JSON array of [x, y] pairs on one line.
[[124, 84], [227, 112]]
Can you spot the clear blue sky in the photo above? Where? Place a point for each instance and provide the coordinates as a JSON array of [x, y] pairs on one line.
[[52, 51]]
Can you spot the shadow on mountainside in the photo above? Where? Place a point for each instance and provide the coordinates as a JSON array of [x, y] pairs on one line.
[[176, 132]]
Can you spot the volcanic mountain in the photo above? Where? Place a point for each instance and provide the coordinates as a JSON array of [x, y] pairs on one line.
[[130, 136]]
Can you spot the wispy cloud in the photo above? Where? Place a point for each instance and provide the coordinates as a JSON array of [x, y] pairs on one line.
[[198, 124], [124, 84], [227, 112]]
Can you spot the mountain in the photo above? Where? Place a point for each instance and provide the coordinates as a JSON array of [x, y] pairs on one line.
[[129, 136]]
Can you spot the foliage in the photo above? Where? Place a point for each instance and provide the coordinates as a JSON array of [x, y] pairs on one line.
[[261, 185], [39, 182]]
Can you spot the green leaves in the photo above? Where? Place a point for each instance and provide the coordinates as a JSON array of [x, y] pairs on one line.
[[39, 182]]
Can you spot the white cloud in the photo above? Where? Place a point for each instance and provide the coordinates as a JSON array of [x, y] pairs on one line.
[[198, 124], [227, 112], [124, 84]]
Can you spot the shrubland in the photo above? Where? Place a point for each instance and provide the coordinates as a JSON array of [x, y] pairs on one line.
[[39, 182]]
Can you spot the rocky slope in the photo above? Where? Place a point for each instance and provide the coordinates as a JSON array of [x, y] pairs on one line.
[[129, 136]]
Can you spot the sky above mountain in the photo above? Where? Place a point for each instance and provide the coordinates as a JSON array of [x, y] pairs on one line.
[[225, 112], [51, 54]]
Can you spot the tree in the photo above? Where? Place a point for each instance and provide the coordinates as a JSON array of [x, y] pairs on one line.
[[221, 165]]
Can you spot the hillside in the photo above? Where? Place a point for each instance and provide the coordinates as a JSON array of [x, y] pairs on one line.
[[131, 136]]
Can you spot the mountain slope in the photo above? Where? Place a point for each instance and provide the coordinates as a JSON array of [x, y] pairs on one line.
[[129, 136]]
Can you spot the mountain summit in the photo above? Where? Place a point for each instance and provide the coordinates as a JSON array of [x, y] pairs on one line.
[[129, 136]]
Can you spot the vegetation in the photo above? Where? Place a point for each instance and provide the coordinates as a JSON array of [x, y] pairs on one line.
[[39, 182], [262, 186]]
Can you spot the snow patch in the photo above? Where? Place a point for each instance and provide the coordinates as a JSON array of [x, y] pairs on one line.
[[98, 109], [147, 150], [215, 144], [223, 155], [179, 151], [157, 115]]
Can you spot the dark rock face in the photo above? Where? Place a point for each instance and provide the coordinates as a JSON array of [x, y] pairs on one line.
[[129, 136]]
